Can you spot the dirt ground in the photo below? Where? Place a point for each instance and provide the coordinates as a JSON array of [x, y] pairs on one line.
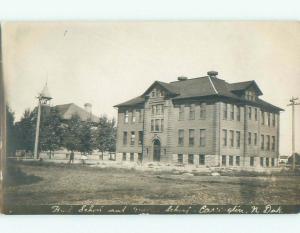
[[34, 183]]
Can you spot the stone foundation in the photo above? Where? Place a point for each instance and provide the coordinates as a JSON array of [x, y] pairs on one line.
[[210, 161]]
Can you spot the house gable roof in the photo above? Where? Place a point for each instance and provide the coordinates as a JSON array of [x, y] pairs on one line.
[[66, 111]]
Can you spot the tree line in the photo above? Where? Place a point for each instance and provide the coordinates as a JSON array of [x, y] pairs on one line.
[[57, 133]]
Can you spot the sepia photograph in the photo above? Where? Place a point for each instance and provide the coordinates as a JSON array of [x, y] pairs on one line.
[[150, 117]]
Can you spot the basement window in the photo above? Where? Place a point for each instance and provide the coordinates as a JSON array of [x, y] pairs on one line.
[[191, 159], [180, 158], [202, 159], [230, 160], [237, 160], [251, 161]]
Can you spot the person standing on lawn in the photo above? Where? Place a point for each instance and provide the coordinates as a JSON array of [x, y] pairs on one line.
[[71, 157]]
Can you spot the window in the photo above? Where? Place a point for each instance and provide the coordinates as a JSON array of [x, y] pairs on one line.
[[237, 160], [268, 142], [231, 138], [140, 157], [124, 156], [191, 137], [159, 109], [231, 111], [262, 117], [202, 159], [126, 117], [153, 93], [132, 138], [191, 159], [140, 115], [249, 138], [181, 112], [140, 137], [267, 162], [153, 109], [249, 113], [262, 142], [202, 137], [203, 111], [161, 93], [272, 162], [230, 160], [133, 116], [125, 138], [261, 161], [131, 157], [238, 113], [238, 139], [255, 114], [255, 139], [224, 137], [180, 158], [223, 160], [250, 95], [224, 111], [156, 124], [180, 137], [273, 119], [273, 143], [268, 119], [251, 161], [192, 112]]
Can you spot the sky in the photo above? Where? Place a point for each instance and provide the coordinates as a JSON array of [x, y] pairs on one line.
[[106, 63]]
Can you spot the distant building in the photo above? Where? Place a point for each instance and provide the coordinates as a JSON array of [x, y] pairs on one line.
[[66, 111], [202, 121]]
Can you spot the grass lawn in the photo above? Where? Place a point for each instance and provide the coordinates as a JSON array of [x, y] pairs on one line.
[[45, 183]]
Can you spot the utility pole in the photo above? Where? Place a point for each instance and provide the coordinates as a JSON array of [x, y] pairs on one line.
[[44, 99], [293, 103], [37, 130]]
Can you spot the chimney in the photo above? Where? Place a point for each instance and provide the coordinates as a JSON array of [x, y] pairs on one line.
[[88, 107], [212, 74], [182, 78]]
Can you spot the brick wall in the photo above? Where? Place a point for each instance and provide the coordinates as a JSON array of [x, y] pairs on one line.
[[213, 123]]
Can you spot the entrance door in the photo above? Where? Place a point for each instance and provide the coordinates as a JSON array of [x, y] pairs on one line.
[[156, 150]]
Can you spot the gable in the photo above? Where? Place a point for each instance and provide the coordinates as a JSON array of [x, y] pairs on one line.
[[82, 113], [160, 89], [253, 87], [241, 87]]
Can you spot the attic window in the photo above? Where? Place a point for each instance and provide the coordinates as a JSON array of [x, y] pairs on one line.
[[162, 93], [250, 95], [153, 93]]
